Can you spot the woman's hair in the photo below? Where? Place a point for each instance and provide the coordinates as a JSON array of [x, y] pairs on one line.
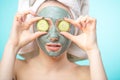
[[77, 8]]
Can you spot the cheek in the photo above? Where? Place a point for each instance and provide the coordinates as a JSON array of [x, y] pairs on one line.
[[42, 40], [64, 41], [66, 44]]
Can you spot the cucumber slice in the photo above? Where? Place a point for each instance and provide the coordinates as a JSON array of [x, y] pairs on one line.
[[42, 25], [64, 26]]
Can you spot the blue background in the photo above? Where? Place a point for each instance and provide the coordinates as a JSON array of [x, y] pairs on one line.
[[108, 26]]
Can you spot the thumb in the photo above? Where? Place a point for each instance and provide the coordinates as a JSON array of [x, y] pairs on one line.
[[36, 35], [68, 35], [31, 38]]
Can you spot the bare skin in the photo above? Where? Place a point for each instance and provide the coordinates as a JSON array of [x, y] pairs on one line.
[[44, 67], [50, 70]]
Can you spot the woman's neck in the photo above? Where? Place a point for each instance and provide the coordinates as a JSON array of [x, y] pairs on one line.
[[52, 63]]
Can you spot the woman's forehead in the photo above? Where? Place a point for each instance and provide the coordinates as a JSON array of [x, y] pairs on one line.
[[53, 12], [53, 3]]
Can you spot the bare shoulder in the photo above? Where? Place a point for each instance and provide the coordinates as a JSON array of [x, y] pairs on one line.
[[83, 68], [19, 63], [19, 66], [83, 72]]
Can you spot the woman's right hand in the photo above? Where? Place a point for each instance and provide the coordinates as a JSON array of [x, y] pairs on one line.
[[21, 35]]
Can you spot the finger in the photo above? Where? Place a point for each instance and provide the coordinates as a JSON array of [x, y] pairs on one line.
[[71, 21], [18, 18], [33, 37], [68, 35], [91, 19], [79, 19], [29, 12], [25, 13], [83, 21], [75, 23], [91, 22], [21, 16], [33, 20], [36, 35], [49, 20]]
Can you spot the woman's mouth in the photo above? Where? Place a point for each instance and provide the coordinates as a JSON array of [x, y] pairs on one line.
[[53, 47]]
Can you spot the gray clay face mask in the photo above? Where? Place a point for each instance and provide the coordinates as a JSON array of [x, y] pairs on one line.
[[53, 43]]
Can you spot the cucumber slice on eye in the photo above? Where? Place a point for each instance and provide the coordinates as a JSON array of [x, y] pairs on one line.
[[64, 26], [42, 25]]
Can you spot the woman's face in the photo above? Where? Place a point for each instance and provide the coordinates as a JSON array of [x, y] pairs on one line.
[[53, 43]]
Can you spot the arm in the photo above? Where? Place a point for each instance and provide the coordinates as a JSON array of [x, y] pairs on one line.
[[7, 63], [88, 42], [20, 36], [96, 65]]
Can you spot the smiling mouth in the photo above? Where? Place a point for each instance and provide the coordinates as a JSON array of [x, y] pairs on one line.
[[53, 47]]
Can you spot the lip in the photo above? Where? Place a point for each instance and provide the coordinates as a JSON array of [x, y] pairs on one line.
[[53, 47]]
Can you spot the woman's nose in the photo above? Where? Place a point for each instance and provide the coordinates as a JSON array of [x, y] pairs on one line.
[[53, 39], [53, 34]]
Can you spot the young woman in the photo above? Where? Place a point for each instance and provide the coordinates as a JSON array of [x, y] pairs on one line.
[[54, 30]]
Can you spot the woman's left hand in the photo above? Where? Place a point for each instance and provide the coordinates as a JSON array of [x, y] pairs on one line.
[[87, 39]]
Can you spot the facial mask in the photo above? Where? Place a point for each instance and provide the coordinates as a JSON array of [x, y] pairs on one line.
[[53, 43]]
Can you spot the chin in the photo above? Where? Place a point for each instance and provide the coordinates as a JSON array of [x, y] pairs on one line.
[[53, 54]]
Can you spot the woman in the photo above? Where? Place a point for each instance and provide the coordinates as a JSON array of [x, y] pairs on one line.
[[51, 62]]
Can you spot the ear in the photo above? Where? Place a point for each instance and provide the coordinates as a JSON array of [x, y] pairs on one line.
[[31, 2]]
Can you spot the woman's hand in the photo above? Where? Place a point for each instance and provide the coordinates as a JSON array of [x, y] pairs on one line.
[[87, 39], [21, 35]]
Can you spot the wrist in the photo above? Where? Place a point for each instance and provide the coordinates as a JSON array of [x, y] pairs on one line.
[[93, 51], [11, 46], [94, 47]]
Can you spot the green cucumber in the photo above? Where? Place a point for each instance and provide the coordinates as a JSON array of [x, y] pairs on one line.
[[64, 26], [42, 25]]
